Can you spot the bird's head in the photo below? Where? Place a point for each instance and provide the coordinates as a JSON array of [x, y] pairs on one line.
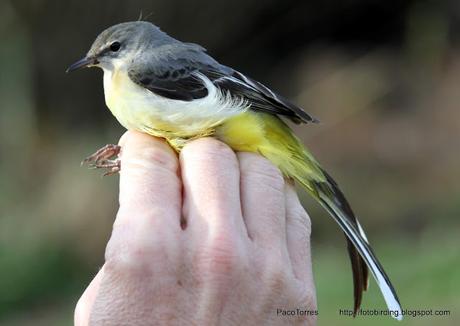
[[118, 44]]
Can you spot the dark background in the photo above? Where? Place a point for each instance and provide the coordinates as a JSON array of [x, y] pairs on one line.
[[382, 76]]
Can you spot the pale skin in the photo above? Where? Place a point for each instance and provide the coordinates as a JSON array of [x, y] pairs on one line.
[[242, 253]]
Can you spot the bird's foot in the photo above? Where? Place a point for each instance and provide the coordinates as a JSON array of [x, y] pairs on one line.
[[102, 159], [112, 166]]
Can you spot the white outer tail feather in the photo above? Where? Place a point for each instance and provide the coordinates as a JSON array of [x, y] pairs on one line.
[[359, 240]]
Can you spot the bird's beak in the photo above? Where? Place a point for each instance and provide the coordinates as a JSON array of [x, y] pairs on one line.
[[82, 63]]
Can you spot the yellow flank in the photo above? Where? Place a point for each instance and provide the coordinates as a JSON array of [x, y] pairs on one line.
[[244, 132], [271, 137]]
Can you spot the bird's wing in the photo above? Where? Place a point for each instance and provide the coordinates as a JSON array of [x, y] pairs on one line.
[[169, 72], [177, 73], [261, 97]]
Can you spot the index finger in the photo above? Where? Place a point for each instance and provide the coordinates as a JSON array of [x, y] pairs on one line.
[[150, 195]]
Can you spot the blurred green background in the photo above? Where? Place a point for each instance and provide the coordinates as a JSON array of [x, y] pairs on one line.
[[382, 76]]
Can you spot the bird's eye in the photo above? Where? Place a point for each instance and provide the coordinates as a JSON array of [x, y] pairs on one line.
[[115, 46]]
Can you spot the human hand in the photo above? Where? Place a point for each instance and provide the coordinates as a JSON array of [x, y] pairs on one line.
[[240, 257]]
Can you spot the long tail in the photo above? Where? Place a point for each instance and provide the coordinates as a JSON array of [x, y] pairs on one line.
[[328, 191], [284, 149], [332, 199]]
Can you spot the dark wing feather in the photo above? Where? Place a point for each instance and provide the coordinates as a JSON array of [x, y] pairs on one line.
[[174, 72], [177, 83], [261, 97]]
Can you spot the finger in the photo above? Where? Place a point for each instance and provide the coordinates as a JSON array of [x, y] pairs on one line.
[[262, 198], [298, 229], [150, 198], [211, 179], [86, 301], [149, 183]]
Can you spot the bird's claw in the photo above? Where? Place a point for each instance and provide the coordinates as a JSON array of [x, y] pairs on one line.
[[101, 159]]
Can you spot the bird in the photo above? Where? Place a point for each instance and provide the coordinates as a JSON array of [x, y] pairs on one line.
[[156, 84]]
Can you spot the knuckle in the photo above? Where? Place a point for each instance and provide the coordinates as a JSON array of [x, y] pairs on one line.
[[302, 222], [261, 171], [160, 156], [146, 151], [210, 149]]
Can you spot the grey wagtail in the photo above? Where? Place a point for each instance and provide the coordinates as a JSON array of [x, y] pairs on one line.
[[166, 88]]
